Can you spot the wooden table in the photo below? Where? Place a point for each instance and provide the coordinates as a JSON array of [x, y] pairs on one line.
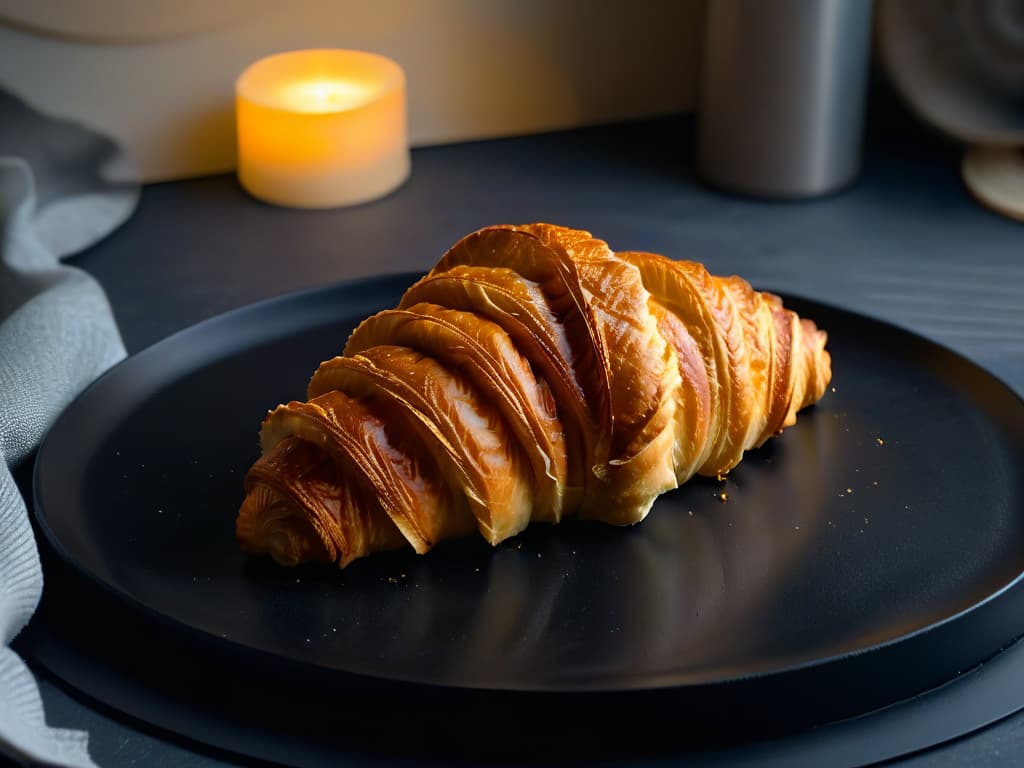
[[905, 243]]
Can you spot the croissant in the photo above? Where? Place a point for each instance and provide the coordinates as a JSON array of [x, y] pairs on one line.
[[532, 375]]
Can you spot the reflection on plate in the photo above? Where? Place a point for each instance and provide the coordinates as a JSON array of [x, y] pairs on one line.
[[864, 539]]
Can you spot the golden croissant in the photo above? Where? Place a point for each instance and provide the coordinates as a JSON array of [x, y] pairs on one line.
[[532, 375]]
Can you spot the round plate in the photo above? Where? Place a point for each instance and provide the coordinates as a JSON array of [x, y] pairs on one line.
[[873, 551]]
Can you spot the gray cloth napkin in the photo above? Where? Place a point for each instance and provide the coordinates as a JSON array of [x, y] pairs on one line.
[[57, 334]]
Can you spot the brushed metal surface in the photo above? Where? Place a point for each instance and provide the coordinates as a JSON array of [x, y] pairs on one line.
[[782, 95]]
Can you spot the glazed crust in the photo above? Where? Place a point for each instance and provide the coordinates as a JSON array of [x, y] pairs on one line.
[[533, 374]]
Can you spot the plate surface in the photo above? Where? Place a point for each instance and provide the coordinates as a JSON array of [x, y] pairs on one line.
[[878, 545]]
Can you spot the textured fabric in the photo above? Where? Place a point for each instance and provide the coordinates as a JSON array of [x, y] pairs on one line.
[[85, 185], [57, 334]]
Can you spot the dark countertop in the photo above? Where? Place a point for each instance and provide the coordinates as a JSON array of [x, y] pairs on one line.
[[905, 243]]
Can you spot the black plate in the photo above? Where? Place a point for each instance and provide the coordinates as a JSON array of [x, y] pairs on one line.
[[872, 552]]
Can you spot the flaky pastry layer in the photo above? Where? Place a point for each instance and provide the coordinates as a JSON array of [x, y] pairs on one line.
[[532, 375]]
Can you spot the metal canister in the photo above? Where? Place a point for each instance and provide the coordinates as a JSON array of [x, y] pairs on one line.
[[782, 97]]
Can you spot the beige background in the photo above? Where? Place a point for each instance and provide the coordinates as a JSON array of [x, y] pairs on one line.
[[159, 74]]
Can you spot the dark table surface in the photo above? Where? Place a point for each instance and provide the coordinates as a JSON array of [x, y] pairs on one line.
[[905, 243]]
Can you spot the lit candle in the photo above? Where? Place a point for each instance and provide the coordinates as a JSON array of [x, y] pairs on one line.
[[322, 128]]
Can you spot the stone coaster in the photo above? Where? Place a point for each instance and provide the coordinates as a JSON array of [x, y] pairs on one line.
[[995, 176]]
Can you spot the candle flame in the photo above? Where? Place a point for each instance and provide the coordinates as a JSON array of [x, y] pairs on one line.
[[324, 95]]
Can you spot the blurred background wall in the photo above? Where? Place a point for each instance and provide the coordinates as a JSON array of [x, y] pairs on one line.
[[159, 74]]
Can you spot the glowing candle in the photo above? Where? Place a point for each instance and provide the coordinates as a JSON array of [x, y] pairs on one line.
[[322, 128]]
